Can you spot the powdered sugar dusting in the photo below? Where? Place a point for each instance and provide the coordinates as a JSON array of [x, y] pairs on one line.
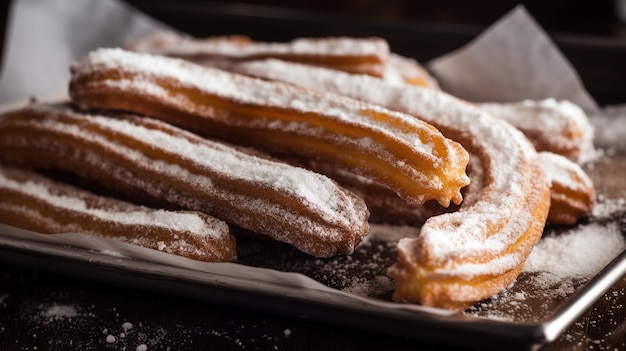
[[563, 260], [561, 122], [254, 91], [578, 254], [59, 312], [410, 143], [317, 190], [504, 146], [142, 216], [321, 211], [564, 172], [168, 43]]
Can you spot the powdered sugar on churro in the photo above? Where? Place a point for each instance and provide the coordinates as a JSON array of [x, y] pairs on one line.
[[171, 44], [245, 89], [508, 202], [409, 150], [504, 145], [563, 172], [558, 122], [194, 173], [139, 216], [314, 188]]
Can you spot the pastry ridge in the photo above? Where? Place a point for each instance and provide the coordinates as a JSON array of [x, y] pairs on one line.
[[556, 126], [350, 54]]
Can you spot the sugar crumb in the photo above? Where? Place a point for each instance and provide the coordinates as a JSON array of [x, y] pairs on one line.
[[58, 312]]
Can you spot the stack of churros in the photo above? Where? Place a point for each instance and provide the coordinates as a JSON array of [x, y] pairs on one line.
[[304, 142]]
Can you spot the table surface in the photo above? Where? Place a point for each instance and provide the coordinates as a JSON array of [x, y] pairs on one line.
[[42, 309]]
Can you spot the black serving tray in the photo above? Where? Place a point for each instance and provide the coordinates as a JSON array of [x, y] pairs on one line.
[[324, 306]]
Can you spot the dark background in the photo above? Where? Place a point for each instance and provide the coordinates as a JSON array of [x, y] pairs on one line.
[[585, 17], [590, 33]]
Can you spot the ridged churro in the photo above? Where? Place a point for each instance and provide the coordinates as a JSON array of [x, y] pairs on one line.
[[469, 255], [34, 202], [354, 55], [150, 159], [572, 193], [406, 155], [560, 127]]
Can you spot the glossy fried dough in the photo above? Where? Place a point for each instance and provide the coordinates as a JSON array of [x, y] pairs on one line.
[[469, 255], [572, 193], [33, 202], [406, 155], [147, 158]]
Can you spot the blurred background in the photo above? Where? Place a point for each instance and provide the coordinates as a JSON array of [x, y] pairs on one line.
[[599, 18], [591, 34]]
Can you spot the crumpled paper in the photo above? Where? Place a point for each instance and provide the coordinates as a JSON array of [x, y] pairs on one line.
[[512, 60], [46, 36]]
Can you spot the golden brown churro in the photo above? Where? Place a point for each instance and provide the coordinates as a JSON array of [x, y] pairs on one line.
[[354, 55], [33, 202], [572, 192], [150, 159], [398, 151], [466, 256], [560, 127]]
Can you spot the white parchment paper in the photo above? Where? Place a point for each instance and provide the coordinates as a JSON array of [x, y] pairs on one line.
[[512, 60], [45, 36]]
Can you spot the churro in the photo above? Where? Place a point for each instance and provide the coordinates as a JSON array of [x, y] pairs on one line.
[[560, 127], [147, 158], [406, 155], [469, 255], [33, 202], [354, 55], [405, 70], [572, 192]]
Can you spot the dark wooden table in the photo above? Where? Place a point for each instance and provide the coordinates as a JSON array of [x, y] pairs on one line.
[[41, 310]]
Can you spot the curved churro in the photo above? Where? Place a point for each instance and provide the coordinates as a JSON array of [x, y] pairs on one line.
[[384, 205], [572, 192], [560, 127], [148, 158], [461, 257], [33, 202], [354, 55], [406, 155]]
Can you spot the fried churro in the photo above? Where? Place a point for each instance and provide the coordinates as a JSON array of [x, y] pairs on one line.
[[147, 158]]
